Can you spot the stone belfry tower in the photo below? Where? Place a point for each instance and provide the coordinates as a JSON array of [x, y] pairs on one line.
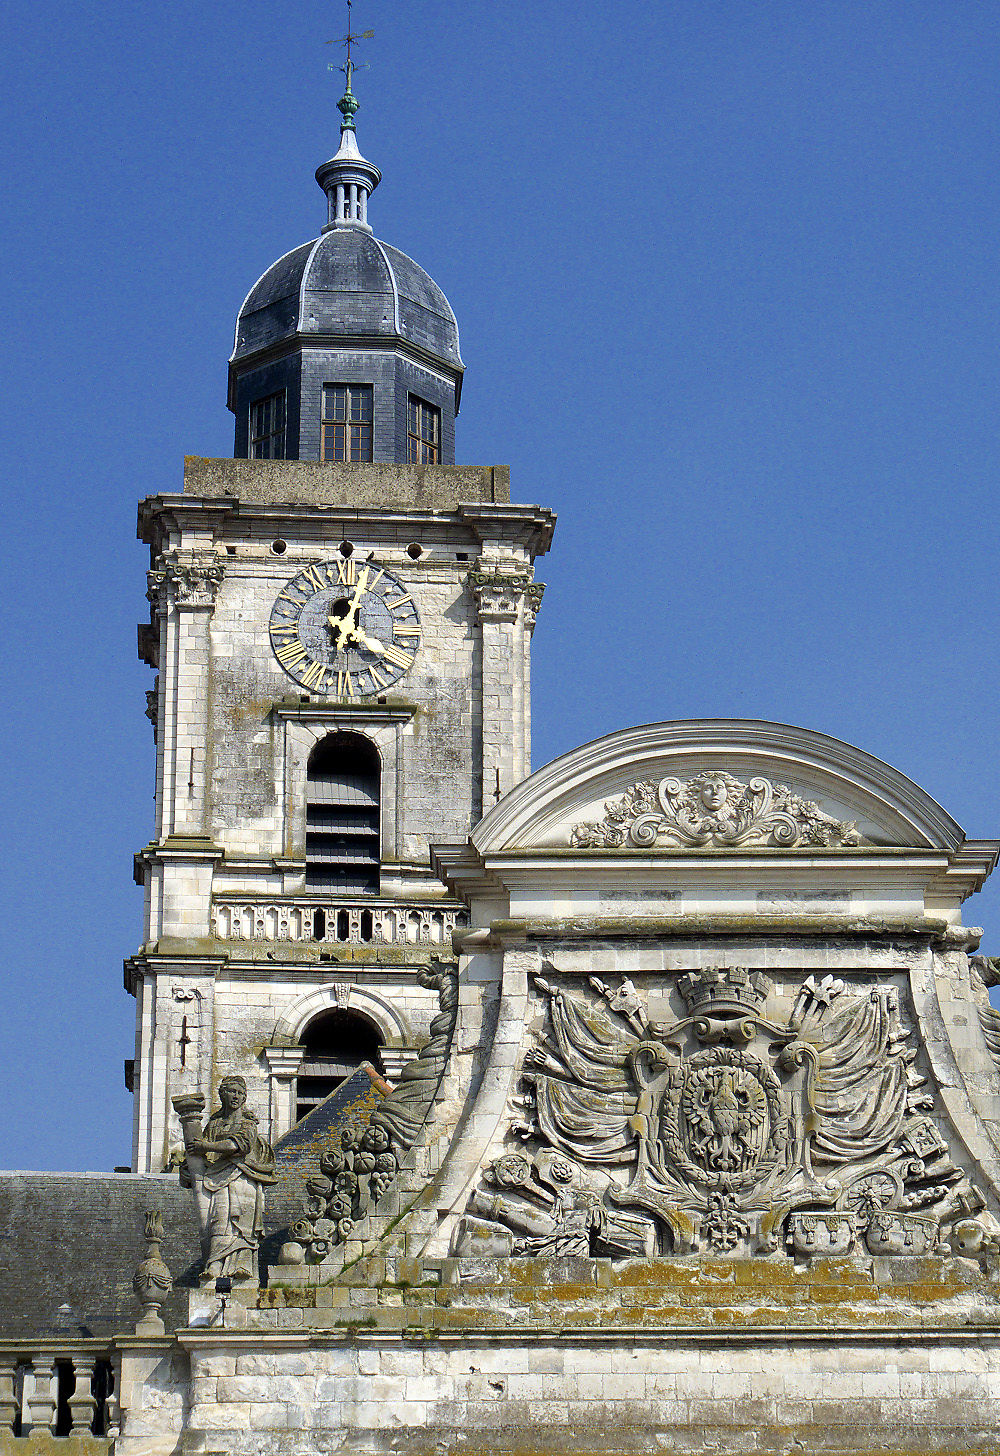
[[340, 623]]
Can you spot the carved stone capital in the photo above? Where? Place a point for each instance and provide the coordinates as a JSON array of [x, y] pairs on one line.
[[283, 1062], [501, 595], [184, 579]]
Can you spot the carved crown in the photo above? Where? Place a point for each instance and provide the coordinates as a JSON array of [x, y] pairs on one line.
[[725, 991]]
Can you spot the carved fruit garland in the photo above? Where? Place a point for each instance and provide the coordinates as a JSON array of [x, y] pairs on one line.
[[355, 1173]]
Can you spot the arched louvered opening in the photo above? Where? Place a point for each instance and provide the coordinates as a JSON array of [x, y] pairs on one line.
[[342, 815], [336, 1043]]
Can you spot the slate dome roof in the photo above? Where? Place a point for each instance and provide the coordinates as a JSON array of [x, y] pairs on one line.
[[346, 284]]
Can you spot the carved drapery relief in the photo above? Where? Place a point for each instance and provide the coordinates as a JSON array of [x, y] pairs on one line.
[[500, 595], [184, 578], [714, 810], [723, 1131]]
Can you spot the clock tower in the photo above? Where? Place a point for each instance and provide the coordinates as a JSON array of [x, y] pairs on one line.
[[340, 625]]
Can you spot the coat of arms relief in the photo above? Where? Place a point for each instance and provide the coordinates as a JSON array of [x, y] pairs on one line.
[[728, 1130]]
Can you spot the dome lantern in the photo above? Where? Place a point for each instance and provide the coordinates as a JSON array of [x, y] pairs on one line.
[[348, 178], [345, 349]]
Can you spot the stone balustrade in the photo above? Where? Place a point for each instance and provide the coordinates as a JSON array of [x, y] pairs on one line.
[[61, 1389], [335, 921]]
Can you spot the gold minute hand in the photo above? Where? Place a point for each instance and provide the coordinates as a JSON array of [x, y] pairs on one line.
[[344, 628]]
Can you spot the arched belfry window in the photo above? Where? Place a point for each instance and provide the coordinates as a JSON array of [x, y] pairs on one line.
[[336, 1043], [342, 815]]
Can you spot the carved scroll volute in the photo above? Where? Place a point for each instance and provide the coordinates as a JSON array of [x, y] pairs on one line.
[[653, 1068]]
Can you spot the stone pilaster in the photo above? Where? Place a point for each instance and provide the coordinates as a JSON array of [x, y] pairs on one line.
[[283, 1064], [507, 600], [181, 588]]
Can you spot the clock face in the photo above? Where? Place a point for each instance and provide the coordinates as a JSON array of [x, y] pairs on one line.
[[345, 627]]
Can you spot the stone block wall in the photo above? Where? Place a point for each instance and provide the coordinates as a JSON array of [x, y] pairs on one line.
[[579, 1356]]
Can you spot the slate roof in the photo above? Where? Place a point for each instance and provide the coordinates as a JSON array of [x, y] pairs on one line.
[[76, 1238], [347, 284]]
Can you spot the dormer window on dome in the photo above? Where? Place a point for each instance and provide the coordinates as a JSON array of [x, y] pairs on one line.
[[346, 350]]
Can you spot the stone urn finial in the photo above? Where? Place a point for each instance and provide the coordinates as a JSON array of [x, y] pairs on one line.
[[152, 1281]]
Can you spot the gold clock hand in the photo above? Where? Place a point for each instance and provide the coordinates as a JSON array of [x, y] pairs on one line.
[[345, 627], [352, 611]]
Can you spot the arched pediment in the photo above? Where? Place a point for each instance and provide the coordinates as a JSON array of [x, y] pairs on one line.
[[716, 784]]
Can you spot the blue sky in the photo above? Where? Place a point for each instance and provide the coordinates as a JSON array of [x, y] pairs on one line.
[[727, 280]]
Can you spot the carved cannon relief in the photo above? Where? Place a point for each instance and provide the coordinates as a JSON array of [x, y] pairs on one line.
[[723, 1130]]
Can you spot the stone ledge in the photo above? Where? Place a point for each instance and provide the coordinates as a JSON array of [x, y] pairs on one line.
[[276, 482], [683, 926]]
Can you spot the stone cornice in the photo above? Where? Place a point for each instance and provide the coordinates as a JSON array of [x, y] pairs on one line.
[[529, 527], [205, 1338], [153, 961], [186, 848], [748, 926]]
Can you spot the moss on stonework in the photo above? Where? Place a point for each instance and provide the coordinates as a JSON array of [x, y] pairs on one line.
[[634, 927]]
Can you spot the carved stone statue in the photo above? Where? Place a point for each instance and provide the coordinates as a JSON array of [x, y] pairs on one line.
[[228, 1166]]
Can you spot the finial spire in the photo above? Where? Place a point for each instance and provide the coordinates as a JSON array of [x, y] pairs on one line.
[[347, 178], [348, 103]]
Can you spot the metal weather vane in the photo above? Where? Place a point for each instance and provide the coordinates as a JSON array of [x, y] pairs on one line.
[[349, 40]]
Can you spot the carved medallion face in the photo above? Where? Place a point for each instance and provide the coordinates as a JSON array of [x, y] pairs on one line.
[[345, 627]]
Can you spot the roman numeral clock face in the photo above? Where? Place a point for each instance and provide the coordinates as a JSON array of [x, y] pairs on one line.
[[345, 627]]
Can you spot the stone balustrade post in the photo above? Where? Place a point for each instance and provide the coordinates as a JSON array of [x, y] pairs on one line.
[[82, 1403], [10, 1405], [112, 1416], [40, 1391]]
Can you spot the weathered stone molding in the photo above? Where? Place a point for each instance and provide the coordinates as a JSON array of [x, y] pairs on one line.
[[391, 1024], [542, 807]]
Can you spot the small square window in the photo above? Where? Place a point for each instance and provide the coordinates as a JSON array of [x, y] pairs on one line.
[[348, 415], [423, 438], [267, 428]]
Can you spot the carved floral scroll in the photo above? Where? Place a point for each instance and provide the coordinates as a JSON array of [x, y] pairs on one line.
[[714, 810]]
